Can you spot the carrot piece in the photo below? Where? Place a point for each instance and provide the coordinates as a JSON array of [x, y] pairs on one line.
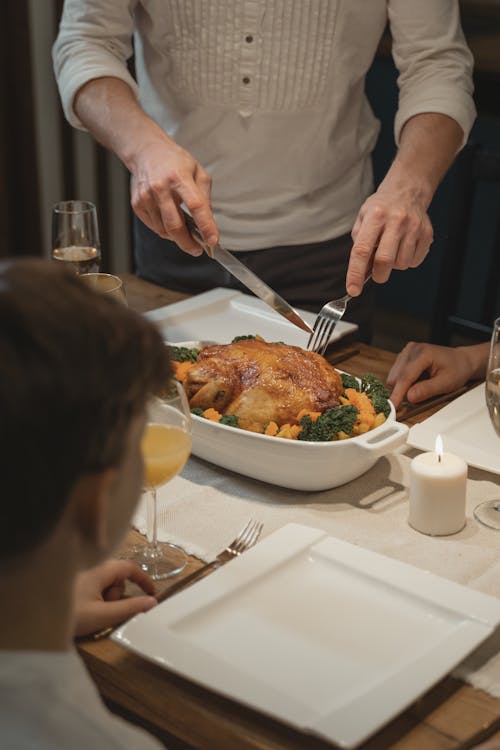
[[285, 431], [212, 414], [181, 369], [271, 429]]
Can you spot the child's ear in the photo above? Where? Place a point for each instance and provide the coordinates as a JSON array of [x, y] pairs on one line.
[[91, 498]]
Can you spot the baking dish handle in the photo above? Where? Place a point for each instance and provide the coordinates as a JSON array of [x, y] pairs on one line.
[[388, 438]]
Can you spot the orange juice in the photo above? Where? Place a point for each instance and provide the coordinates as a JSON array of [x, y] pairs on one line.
[[165, 450]]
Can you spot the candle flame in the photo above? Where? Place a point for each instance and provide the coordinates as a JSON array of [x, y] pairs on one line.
[[439, 447]]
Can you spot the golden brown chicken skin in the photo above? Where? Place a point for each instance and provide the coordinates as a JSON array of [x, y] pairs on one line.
[[262, 382]]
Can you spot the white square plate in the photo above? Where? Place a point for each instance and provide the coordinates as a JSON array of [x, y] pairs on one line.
[[328, 637], [466, 430], [221, 314]]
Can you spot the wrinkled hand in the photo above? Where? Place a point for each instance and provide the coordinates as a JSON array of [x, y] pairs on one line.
[[99, 591], [448, 369], [393, 231], [164, 175]]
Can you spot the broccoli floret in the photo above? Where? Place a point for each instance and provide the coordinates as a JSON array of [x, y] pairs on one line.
[[183, 353], [197, 412], [381, 404], [373, 386], [329, 424], [349, 381], [229, 419]]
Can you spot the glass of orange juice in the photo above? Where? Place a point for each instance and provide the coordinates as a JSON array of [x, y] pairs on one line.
[[166, 445]]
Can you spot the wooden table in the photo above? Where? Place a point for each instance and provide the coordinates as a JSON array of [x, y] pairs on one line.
[[450, 716]]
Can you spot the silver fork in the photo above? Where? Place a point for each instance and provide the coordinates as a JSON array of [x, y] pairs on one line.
[[247, 537], [326, 320]]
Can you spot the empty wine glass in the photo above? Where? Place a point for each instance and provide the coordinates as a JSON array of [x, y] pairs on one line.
[[166, 446], [75, 236], [488, 512]]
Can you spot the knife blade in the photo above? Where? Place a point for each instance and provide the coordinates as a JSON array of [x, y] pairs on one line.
[[246, 276]]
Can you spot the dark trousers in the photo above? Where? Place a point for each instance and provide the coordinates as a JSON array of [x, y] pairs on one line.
[[306, 276]]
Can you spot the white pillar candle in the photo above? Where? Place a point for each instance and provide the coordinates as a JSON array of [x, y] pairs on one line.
[[438, 484]]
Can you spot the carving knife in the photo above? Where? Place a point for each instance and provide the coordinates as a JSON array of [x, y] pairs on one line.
[[246, 276]]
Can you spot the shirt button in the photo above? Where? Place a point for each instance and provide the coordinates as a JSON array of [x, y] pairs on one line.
[[246, 80], [249, 38]]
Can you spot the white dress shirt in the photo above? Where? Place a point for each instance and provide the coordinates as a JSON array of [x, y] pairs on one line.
[[269, 94], [48, 702]]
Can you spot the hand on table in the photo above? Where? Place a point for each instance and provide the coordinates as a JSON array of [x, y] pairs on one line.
[[164, 175], [393, 231], [448, 369], [99, 591]]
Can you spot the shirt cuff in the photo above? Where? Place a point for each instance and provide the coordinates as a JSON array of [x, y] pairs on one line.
[[462, 110], [70, 83]]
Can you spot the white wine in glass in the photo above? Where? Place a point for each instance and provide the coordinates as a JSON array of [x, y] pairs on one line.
[[75, 236], [488, 513], [166, 445]]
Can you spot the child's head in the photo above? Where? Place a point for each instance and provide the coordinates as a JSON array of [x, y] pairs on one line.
[[76, 369]]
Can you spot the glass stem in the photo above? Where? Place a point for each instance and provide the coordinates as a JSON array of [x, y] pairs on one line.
[[152, 521]]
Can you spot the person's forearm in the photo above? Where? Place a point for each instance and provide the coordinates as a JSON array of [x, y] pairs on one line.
[[429, 142], [111, 113], [164, 175]]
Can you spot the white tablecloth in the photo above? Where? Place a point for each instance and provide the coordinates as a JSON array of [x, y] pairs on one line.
[[204, 508]]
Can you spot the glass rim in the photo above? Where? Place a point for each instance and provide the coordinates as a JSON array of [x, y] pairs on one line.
[[73, 207], [97, 276]]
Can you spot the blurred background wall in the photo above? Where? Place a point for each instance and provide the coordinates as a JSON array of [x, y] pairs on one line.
[[43, 160]]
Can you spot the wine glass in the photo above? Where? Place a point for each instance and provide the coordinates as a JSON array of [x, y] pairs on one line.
[[106, 283], [488, 513], [166, 445], [75, 236]]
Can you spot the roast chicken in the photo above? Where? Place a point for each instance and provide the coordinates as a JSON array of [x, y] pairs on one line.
[[262, 382]]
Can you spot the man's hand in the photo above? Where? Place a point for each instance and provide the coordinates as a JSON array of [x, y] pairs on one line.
[[448, 369], [394, 223], [392, 230], [164, 175], [98, 601]]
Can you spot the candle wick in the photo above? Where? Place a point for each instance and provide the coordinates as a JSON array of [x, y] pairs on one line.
[[439, 457]]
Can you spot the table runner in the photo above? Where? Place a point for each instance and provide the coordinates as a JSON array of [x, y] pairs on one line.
[[204, 508]]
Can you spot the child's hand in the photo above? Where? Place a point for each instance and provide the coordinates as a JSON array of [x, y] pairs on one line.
[[98, 594]]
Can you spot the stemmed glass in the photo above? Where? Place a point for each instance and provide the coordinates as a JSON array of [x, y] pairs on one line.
[[488, 512], [75, 235], [166, 445], [106, 283]]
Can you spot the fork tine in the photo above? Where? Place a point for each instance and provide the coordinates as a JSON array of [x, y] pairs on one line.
[[252, 531], [240, 536], [256, 532], [242, 544], [321, 322], [326, 340], [312, 336], [326, 336]]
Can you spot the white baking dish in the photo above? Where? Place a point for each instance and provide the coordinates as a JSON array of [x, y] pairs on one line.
[[297, 464]]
